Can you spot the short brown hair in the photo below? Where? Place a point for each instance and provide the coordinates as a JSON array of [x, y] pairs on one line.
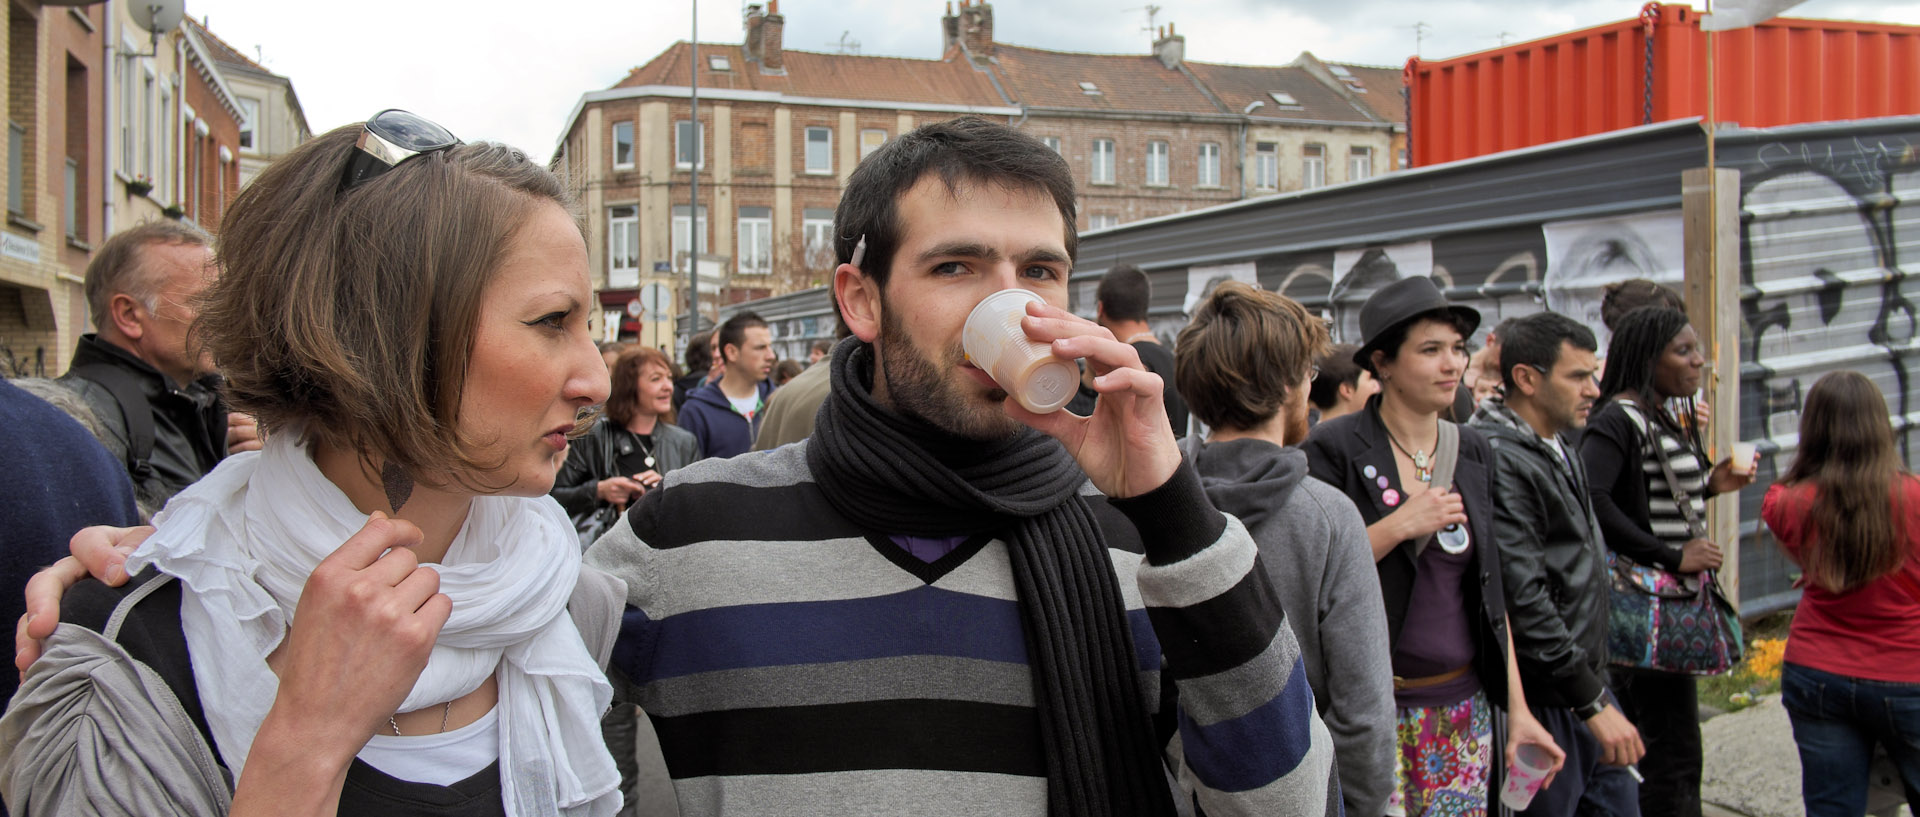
[[1243, 354], [351, 313], [624, 401], [119, 268]]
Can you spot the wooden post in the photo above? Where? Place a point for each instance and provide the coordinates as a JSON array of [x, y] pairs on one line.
[[1710, 202]]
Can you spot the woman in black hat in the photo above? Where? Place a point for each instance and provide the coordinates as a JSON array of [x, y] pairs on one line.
[[1421, 483]]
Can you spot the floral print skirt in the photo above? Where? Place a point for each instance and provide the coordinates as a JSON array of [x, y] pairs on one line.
[[1445, 755]]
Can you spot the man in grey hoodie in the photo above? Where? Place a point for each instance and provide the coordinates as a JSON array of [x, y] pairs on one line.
[[1244, 366]]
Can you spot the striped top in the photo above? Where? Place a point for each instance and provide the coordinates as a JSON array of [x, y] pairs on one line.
[[795, 664], [1665, 516]]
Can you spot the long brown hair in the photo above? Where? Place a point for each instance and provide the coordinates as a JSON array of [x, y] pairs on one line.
[[624, 401], [1855, 522]]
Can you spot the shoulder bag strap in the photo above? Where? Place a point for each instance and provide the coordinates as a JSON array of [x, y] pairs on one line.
[[136, 412], [1446, 454]]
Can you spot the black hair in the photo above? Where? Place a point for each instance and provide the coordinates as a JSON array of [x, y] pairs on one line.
[[1124, 292], [1621, 297], [1337, 369], [734, 331], [1391, 340], [1640, 339], [968, 150], [699, 352], [1535, 341]]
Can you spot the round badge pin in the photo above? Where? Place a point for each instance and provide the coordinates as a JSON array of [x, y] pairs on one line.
[[1370, 471], [1391, 497], [1382, 482]]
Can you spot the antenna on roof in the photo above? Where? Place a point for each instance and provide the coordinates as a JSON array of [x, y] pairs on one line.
[[1420, 30], [1503, 37], [1152, 12], [846, 45]]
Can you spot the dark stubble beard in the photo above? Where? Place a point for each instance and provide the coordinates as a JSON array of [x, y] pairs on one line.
[[919, 386]]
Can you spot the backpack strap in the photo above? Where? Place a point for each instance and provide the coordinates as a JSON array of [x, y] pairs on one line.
[[135, 411]]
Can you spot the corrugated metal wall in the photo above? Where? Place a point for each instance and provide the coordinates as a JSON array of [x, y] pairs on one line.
[[1594, 80]]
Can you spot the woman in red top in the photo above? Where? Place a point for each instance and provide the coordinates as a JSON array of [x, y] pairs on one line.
[[1849, 514]]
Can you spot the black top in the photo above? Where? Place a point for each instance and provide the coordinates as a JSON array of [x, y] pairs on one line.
[[189, 421], [1159, 360], [152, 635], [1614, 452]]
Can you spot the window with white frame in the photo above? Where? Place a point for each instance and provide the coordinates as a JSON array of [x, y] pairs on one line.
[[623, 144], [623, 246], [756, 241], [871, 140], [1101, 221], [249, 124], [1052, 142], [689, 145], [122, 82], [1313, 166], [1209, 175], [146, 126], [169, 137], [682, 227], [1266, 166], [1157, 173], [819, 150], [1101, 171], [816, 229], [1359, 163]]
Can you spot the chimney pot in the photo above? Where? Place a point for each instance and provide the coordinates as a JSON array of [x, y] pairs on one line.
[[1171, 48], [976, 26], [772, 33]]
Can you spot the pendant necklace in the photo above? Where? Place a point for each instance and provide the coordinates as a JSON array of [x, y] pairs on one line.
[[634, 437], [444, 712], [1422, 466]]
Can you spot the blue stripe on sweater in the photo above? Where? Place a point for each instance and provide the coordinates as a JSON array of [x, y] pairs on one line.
[[1282, 728], [921, 621]]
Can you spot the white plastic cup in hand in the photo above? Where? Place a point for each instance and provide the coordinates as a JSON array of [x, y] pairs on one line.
[[1744, 456], [1028, 371], [1530, 766]]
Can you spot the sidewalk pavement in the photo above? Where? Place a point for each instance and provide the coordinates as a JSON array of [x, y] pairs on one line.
[[1752, 768]]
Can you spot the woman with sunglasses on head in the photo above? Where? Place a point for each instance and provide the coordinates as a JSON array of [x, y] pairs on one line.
[[1655, 360], [1420, 483], [1849, 514], [380, 612]]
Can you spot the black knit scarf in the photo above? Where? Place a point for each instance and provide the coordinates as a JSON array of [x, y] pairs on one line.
[[900, 475]]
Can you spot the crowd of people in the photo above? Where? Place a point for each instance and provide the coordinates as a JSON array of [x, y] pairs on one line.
[[454, 557]]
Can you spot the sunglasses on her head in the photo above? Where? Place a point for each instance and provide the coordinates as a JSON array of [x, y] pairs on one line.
[[393, 136]]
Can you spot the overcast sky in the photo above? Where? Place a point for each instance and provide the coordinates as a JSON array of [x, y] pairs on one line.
[[511, 71]]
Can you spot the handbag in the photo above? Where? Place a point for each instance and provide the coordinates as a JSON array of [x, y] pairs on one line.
[[591, 523], [1664, 620]]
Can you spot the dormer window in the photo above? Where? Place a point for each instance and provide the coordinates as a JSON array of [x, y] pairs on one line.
[[718, 62], [1339, 70], [1285, 100], [1089, 89]]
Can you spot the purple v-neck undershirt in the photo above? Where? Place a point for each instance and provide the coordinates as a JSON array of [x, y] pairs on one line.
[[928, 549]]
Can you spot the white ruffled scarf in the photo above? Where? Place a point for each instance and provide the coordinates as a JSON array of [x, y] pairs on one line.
[[245, 538]]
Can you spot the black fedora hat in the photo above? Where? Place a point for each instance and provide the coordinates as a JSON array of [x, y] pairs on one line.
[[1399, 302]]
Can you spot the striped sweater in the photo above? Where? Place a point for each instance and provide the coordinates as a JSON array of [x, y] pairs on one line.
[[795, 664]]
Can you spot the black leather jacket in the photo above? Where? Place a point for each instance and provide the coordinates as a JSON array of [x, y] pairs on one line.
[[189, 423], [1552, 557], [587, 463]]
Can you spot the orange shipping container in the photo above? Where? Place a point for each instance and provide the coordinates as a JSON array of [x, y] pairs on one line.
[[1634, 72]]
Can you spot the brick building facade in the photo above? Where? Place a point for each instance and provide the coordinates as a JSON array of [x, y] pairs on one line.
[[1146, 135]]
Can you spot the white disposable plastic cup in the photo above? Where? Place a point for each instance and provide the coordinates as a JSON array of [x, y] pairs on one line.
[[1744, 456], [1028, 371], [1530, 766]]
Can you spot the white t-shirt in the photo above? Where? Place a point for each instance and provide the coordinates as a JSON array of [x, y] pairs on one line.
[[745, 406], [440, 760]]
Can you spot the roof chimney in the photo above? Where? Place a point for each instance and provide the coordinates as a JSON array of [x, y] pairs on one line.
[[1171, 48], [755, 19], [976, 28], [949, 30], [772, 30]]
